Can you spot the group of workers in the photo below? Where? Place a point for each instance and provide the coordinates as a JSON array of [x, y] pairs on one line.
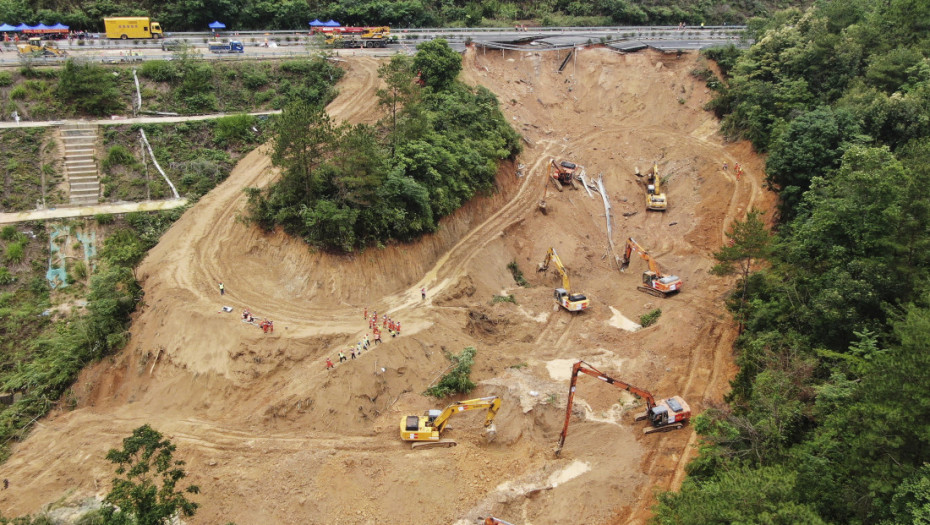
[[266, 325], [356, 350]]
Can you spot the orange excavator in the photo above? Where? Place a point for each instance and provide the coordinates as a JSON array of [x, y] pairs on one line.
[[563, 173], [654, 281], [491, 520], [664, 415]]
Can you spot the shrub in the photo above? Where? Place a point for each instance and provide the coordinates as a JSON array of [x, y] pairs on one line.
[[517, 274], [159, 71], [6, 79], [6, 277], [89, 88], [235, 128], [80, 270], [104, 218], [457, 380], [18, 92], [254, 79], [14, 252], [8, 233], [504, 299], [117, 156], [649, 319]]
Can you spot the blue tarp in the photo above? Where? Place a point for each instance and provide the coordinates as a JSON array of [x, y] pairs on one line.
[[7, 27], [217, 25], [331, 23], [316, 23]]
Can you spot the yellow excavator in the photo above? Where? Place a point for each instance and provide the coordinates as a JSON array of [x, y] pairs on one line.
[[573, 302], [425, 430], [36, 47], [654, 281], [655, 199]]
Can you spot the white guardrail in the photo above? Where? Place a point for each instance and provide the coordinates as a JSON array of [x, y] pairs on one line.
[[290, 43]]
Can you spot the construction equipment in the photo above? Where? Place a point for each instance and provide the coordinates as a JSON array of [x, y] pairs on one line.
[[36, 47], [664, 415], [542, 202], [125, 27], [357, 37], [563, 173], [425, 430], [573, 302], [655, 199], [654, 281], [491, 520]]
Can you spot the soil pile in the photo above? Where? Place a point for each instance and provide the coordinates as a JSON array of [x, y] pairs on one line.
[[272, 437]]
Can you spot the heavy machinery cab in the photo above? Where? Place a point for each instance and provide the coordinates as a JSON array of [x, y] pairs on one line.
[[573, 302], [672, 411], [429, 426], [651, 278], [564, 171], [431, 416]]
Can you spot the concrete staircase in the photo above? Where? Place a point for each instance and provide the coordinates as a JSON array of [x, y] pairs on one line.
[[80, 145]]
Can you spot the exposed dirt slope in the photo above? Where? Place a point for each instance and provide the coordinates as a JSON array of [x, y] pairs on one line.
[[271, 437]]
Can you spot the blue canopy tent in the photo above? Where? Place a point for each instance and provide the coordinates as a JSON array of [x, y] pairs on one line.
[[6, 28], [316, 23], [217, 25], [59, 26], [331, 23], [22, 27]]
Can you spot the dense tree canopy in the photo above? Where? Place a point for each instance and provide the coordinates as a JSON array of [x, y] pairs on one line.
[[826, 422], [346, 187]]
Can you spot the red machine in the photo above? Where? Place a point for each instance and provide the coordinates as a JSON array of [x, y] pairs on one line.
[[667, 414]]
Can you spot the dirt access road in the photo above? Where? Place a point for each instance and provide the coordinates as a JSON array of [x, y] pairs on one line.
[[272, 437]]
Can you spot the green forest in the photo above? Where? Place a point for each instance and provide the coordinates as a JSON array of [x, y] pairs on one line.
[[347, 187], [827, 418], [194, 15]]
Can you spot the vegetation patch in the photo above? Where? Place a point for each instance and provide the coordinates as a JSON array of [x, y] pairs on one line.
[[650, 318], [196, 156], [185, 85], [517, 274], [26, 168], [504, 299], [346, 187], [47, 338], [824, 423], [457, 380]]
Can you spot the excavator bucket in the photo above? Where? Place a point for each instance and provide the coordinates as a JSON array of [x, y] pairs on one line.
[[624, 264], [491, 432]]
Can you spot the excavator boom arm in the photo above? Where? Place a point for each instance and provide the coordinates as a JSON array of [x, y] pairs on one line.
[[633, 246], [552, 256], [593, 372], [492, 404]]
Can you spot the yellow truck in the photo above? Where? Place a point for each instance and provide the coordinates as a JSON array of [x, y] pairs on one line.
[[126, 27]]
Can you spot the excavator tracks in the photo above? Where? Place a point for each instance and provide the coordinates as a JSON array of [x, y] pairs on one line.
[[442, 443], [652, 291], [666, 428]]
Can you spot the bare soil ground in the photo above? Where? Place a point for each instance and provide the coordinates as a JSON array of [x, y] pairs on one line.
[[272, 437]]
